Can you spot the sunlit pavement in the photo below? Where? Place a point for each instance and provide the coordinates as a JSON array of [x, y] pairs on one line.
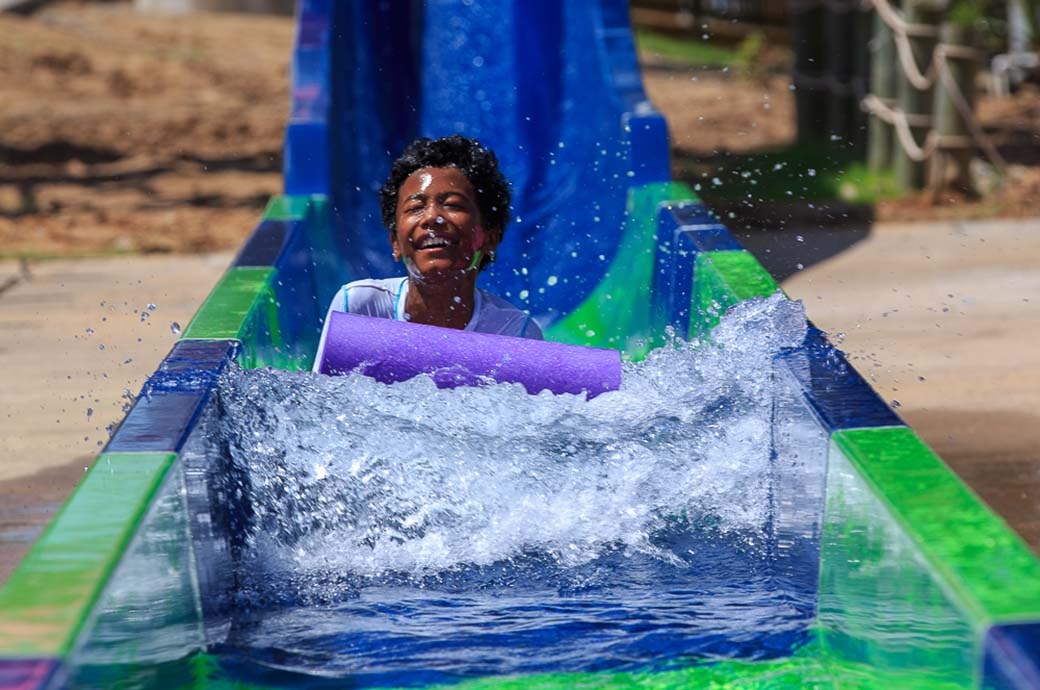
[[77, 337], [943, 318]]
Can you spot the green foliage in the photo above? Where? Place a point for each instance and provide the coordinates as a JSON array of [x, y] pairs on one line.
[[859, 184], [1032, 8], [803, 173], [689, 52], [966, 12], [989, 19], [749, 51]]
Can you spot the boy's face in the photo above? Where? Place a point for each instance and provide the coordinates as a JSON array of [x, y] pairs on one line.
[[437, 227]]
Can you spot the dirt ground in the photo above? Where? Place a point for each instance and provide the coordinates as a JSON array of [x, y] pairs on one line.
[[122, 132]]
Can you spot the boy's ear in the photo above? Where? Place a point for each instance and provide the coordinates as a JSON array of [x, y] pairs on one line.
[[492, 237], [395, 248]]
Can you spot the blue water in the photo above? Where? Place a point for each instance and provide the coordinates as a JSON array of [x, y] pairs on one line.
[[405, 535]]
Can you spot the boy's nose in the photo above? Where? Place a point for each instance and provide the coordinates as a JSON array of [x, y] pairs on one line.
[[432, 218]]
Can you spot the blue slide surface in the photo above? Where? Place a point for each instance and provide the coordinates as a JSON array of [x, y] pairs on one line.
[[560, 104]]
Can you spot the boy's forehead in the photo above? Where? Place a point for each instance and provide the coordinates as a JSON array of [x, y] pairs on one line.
[[423, 178]]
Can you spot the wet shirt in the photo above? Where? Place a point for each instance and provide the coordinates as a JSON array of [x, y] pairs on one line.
[[385, 299]]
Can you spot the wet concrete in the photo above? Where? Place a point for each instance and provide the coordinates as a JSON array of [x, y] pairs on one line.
[[944, 320], [77, 337], [28, 503]]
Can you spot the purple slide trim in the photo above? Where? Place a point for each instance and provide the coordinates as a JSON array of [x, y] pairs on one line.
[[25, 674], [391, 351]]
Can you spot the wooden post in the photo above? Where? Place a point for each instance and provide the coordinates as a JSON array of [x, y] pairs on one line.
[[880, 138], [810, 98], [883, 66], [916, 103], [957, 145], [839, 43], [863, 19]]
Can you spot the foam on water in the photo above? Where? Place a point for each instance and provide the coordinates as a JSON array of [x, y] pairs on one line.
[[405, 535], [406, 482]]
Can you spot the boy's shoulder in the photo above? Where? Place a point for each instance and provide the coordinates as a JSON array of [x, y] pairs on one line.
[[370, 296], [389, 285], [497, 303], [502, 316]]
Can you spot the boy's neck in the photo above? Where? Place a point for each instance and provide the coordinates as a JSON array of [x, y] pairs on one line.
[[449, 303]]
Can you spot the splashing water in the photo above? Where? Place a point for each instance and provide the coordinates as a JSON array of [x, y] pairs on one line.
[[356, 487]]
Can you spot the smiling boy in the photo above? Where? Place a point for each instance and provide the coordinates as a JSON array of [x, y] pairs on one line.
[[445, 204]]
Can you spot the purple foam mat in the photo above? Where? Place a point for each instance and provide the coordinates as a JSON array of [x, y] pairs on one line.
[[391, 351]]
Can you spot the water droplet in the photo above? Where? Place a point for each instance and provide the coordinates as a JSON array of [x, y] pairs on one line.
[[151, 307], [175, 328], [799, 238], [552, 280], [90, 331], [144, 316], [478, 61], [101, 346], [896, 404], [812, 172], [90, 412], [524, 294]]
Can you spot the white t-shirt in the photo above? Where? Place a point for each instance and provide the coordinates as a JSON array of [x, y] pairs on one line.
[[385, 299]]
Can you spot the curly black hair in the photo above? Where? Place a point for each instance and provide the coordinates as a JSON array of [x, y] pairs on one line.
[[477, 162]]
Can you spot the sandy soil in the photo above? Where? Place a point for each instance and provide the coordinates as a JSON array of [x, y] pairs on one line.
[[122, 132]]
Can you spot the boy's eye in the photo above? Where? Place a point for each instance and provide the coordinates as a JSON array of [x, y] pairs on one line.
[[456, 202]]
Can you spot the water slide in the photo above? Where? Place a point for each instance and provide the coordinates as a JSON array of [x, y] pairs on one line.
[[889, 570]]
